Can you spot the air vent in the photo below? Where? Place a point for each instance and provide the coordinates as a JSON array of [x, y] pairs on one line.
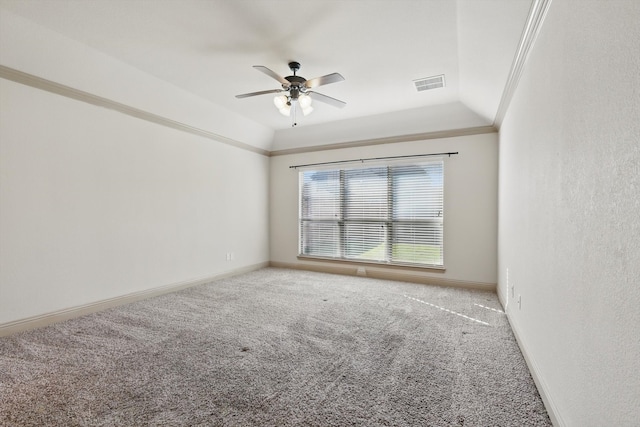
[[428, 83]]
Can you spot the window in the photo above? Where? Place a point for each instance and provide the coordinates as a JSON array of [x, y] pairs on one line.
[[388, 214]]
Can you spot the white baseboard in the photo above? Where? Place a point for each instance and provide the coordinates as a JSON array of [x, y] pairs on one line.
[[408, 275], [81, 310], [543, 389]]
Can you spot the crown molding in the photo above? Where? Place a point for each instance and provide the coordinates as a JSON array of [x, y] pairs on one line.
[[50, 86], [537, 14], [389, 140], [89, 98]]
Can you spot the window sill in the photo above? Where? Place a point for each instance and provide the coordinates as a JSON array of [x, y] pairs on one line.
[[407, 266]]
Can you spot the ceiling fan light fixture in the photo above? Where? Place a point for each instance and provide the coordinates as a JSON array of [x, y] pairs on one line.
[[283, 104], [305, 101], [285, 111], [305, 104], [280, 101]]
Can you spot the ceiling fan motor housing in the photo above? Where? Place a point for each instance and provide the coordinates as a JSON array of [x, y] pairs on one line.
[[296, 85]]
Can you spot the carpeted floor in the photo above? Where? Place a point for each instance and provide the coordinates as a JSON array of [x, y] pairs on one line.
[[276, 347]]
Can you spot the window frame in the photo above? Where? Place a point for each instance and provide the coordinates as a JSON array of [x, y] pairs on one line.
[[390, 223]]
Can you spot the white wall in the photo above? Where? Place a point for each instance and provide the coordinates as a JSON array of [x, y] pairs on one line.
[[470, 199], [569, 230], [95, 204]]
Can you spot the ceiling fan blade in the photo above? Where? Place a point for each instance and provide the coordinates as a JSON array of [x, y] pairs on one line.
[[327, 99], [324, 80], [272, 74], [262, 92]]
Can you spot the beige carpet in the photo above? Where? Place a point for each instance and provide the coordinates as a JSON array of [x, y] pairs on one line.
[[276, 347]]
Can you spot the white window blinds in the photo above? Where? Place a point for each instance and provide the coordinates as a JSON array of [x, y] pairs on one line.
[[390, 214]]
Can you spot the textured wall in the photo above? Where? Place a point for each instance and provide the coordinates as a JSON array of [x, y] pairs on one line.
[[569, 228]]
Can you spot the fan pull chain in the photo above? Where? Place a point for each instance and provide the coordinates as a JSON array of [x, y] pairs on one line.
[[294, 123]]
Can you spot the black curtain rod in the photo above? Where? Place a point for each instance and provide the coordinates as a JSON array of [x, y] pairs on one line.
[[373, 158]]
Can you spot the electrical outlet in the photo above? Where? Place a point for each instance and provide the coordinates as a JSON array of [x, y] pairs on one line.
[[361, 271]]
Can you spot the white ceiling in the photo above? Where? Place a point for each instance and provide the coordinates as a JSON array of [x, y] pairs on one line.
[[208, 47]]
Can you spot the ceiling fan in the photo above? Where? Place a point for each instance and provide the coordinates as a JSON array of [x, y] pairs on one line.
[[297, 90]]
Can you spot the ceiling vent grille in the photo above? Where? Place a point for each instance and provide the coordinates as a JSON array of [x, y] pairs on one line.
[[429, 83]]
